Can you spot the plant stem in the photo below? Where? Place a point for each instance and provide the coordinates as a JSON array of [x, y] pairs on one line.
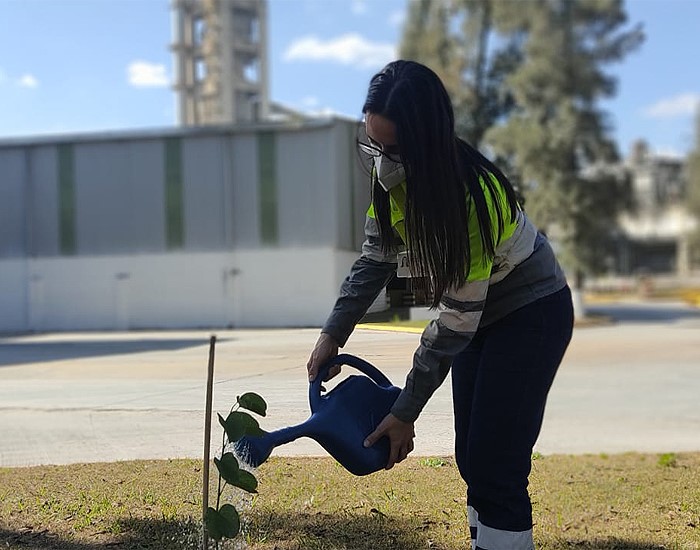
[[219, 489]]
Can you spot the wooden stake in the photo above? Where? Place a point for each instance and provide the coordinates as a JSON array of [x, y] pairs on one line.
[[207, 443]]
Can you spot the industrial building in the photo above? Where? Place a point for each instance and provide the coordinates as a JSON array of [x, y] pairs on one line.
[[220, 58], [242, 226], [246, 215], [655, 237]]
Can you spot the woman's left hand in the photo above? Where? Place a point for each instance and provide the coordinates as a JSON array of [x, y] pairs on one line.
[[400, 435]]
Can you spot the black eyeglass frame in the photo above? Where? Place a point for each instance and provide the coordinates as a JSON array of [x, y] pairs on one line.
[[372, 151], [375, 152]]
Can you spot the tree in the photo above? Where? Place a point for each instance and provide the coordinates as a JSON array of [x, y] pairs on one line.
[[557, 138], [693, 187], [458, 40]]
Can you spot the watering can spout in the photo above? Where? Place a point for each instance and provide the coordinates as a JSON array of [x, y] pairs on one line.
[[256, 450], [340, 420]]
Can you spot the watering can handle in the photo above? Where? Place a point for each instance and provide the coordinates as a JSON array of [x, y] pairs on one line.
[[344, 359]]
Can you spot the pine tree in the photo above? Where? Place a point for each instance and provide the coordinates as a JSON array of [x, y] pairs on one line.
[[557, 138], [693, 189], [457, 39]]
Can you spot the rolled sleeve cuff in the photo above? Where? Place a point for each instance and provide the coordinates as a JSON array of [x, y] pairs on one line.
[[407, 407], [337, 333]]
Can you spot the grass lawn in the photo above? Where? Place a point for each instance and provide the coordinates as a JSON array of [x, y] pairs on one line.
[[629, 501]]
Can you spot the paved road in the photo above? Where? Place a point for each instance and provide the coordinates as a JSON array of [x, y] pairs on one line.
[[630, 385]]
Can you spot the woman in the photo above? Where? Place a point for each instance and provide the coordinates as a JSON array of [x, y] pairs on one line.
[[506, 315]]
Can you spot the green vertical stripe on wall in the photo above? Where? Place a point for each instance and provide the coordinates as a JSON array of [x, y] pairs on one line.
[[174, 219], [267, 188], [66, 199]]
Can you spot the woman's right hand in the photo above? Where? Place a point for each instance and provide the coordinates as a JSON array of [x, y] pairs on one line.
[[326, 347]]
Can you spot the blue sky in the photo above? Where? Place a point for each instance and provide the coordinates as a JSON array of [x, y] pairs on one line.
[[92, 65]]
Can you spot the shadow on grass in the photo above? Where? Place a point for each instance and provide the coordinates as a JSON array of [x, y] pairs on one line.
[[341, 530], [40, 539], [611, 543], [361, 531], [136, 534], [270, 530]]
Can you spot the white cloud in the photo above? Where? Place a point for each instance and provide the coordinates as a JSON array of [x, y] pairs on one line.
[[27, 81], [143, 74], [348, 49], [680, 105], [359, 7], [396, 18], [310, 101]]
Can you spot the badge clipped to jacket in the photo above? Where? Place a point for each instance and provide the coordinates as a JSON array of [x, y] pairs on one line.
[[402, 269]]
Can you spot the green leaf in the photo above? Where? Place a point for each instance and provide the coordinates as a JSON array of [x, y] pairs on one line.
[[238, 424], [231, 472], [253, 402], [224, 523], [246, 481], [228, 467]]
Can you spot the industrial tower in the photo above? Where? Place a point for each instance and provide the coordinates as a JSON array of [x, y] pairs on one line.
[[220, 49]]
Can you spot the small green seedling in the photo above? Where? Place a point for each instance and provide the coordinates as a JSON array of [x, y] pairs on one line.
[[667, 460], [224, 521], [433, 462]]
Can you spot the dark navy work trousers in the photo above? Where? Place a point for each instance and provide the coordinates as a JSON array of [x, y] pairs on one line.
[[500, 384]]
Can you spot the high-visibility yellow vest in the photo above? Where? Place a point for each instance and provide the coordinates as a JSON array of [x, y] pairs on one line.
[[480, 262]]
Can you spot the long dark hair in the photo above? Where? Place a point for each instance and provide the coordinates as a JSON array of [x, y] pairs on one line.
[[442, 178]]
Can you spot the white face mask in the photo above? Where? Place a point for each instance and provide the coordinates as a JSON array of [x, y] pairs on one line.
[[389, 172]]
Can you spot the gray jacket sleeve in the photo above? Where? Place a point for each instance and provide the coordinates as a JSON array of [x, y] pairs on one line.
[[442, 339], [368, 276]]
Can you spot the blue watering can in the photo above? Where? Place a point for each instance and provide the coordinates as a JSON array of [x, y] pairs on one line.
[[340, 420]]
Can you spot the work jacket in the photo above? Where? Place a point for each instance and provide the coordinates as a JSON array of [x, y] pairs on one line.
[[523, 269]]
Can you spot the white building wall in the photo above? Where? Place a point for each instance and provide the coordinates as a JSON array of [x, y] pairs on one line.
[[255, 288], [13, 297], [269, 222]]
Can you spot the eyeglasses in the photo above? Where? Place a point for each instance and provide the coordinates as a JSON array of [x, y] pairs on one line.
[[372, 150], [375, 152]]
